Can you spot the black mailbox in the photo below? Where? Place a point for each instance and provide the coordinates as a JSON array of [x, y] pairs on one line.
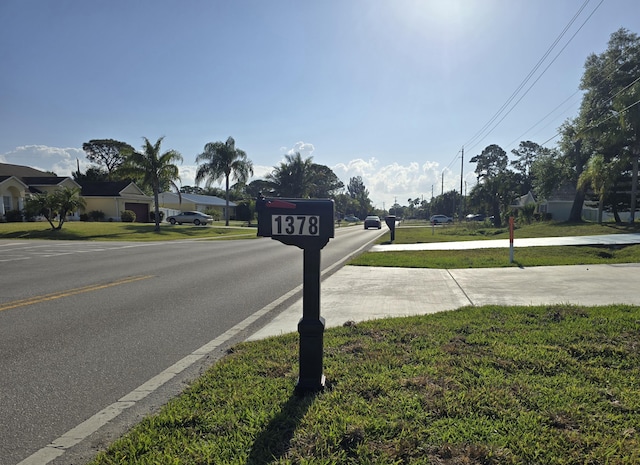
[[300, 222], [308, 224], [391, 223]]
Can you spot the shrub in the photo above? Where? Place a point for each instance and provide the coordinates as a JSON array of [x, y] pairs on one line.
[[96, 215], [152, 216], [14, 216], [84, 217], [215, 214], [244, 210], [128, 216]]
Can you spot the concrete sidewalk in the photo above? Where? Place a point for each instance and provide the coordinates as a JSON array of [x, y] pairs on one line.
[[608, 239], [361, 293]]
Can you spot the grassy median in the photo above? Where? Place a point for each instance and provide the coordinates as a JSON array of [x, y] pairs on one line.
[[490, 385]]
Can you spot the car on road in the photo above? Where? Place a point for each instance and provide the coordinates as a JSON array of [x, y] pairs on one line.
[[475, 217], [351, 219], [438, 219], [372, 221], [197, 218]]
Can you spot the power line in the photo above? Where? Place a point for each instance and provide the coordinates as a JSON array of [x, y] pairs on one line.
[[544, 71], [476, 138], [595, 125], [599, 72], [611, 98]]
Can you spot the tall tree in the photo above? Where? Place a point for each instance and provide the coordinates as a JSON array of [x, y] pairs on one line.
[[610, 102], [325, 182], [156, 170], [293, 177], [107, 153], [497, 185], [575, 148], [492, 161], [600, 175], [93, 173], [525, 156], [360, 194], [222, 160]]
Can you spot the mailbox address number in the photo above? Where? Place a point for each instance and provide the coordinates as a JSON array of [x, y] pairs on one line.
[[295, 225]]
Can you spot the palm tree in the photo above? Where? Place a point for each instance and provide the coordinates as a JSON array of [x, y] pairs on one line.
[[599, 175], [157, 170], [294, 177], [67, 200], [60, 202], [223, 160]]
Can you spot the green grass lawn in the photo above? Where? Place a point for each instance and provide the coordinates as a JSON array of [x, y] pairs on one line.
[[488, 385], [498, 258], [414, 233], [117, 231], [421, 232]]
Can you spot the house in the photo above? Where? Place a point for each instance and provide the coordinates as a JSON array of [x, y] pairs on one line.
[[558, 205], [524, 200], [194, 202], [17, 182], [112, 198]]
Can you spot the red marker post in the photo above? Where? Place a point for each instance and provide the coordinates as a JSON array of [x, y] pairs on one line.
[[511, 239]]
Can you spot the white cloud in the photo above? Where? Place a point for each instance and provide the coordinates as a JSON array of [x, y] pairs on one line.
[[386, 183], [395, 182], [188, 174], [62, 161], [305, 149]]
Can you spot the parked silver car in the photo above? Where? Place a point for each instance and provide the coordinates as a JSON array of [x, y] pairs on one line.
[[437, 219], [196, 218]]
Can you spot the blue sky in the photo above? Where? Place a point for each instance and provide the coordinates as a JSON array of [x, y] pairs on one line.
[[388, 90]]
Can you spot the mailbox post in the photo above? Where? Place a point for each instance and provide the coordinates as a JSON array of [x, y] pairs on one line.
[[307, 224], [391, 223]]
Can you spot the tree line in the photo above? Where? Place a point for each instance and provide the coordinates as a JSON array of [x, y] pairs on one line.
[[596, 157], [155, 172]]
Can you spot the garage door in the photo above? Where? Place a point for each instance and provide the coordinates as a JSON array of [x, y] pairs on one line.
[[140, 209]]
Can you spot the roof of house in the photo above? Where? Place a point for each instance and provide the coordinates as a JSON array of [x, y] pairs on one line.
[[202, 199], [30, 176], [103, 188], [43, 180], [524, 200], [4, 178], [566, 192], [19, 171]]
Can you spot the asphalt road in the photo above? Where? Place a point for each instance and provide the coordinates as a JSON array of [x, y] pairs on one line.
[[83, 324]]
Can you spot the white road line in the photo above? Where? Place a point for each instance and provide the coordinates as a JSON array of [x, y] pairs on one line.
[[75, 435]]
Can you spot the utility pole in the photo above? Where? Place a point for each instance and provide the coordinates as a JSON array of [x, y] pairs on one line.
[[461, 178]]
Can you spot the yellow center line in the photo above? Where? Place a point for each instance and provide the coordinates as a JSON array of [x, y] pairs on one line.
[[70, 292]]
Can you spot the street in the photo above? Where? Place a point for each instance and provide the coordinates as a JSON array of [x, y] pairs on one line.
[[83, 325]]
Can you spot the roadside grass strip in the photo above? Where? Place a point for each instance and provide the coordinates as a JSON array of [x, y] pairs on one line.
[[555, 384], [499, 258]]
